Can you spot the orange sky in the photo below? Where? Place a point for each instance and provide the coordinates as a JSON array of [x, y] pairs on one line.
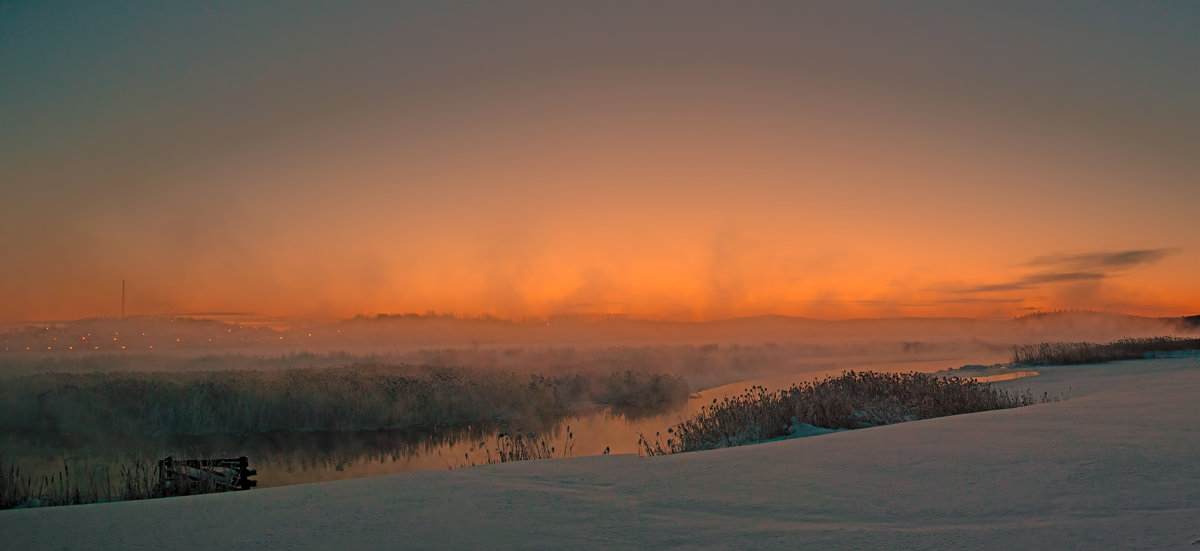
[[680, 161]]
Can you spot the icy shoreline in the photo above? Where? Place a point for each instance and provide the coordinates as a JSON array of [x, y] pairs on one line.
[[1112, 467]]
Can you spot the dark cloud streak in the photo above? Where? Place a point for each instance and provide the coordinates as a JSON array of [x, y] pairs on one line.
[[1104, 260], [1033, 280], [1067, 268]]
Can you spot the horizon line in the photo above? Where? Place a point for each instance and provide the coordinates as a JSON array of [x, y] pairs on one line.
[[252, 319]]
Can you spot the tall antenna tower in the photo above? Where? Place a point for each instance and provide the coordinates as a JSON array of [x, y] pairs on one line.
[[122, 299]]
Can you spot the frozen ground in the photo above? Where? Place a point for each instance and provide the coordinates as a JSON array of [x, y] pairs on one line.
[[1117, 466]]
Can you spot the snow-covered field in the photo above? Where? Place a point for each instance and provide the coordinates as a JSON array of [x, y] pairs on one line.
[[1116, 466]]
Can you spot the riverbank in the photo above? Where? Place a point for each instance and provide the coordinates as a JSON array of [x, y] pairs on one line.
[[1113, 466]]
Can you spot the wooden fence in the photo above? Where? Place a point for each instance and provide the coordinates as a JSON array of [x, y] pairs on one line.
[[202, 476]]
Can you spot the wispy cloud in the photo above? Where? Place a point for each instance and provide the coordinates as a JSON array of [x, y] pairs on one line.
[[1103, 261], [1068, 268]]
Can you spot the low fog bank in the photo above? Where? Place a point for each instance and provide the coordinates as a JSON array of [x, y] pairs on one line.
[[707, 353]]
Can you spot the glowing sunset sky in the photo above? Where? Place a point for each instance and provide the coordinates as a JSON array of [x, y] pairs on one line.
[[686, 160]]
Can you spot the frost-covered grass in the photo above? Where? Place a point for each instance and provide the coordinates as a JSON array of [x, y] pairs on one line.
[[358, 397], [1065, 353], [850, 401]]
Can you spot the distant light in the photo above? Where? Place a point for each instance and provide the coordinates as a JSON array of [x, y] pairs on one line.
[[152, 347], [47, 348], [122, 347], [70, 348], [96, 347], [176, 340]]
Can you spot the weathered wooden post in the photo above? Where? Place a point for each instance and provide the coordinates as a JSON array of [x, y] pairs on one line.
[[166, 472]]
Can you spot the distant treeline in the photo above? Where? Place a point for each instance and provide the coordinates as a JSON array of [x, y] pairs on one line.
[[357, 397], [1063, 353]]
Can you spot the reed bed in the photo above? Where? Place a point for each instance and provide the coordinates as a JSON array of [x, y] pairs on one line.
[[520, 446], [134, 479], [353, 398], [850, 401], [1066, 353]]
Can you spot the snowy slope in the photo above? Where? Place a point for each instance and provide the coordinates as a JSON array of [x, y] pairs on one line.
[[1117, 466]]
